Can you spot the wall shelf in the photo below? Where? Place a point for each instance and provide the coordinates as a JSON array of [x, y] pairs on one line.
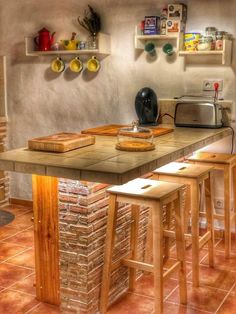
[[210, 57], [104, 48], [140, 40]]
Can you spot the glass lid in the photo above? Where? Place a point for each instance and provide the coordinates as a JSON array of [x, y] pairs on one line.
[[136, 131]]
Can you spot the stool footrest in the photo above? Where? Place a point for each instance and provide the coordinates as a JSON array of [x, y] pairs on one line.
[[148, 267], [171, 234], [138, 265], [204, 239], [118, 263], [170, 270]]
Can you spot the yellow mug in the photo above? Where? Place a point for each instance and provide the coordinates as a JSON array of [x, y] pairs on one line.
[[57, 65], [76, 65], [93, 65]]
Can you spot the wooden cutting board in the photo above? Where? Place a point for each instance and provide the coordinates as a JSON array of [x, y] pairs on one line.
[[61, 142], [112, 130]]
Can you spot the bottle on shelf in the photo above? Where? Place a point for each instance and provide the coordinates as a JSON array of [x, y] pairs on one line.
[[163, 19]]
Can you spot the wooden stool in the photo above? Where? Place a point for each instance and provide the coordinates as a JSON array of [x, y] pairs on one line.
[[227, 163], [154, 195], [195, 177]]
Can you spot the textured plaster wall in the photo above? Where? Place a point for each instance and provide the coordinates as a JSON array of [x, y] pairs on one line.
[[40, 102]]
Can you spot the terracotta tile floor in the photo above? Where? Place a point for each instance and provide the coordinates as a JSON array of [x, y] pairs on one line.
[[216, 294]]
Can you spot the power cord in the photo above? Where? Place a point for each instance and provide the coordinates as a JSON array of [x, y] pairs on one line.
[[165, 114], [232, 143]]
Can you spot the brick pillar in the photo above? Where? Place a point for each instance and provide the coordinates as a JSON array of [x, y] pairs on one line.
[[83, 218]]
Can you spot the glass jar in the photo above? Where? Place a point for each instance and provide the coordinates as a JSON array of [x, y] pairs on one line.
[[219, 40], [135, 138], [205, 43], [211, 32]]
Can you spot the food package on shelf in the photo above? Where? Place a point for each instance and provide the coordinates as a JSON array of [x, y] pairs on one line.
[[177, 12], [174, 26], [152, 25]]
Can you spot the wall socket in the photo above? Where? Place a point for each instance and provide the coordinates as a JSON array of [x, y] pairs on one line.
[[219, 203], [208, 85]]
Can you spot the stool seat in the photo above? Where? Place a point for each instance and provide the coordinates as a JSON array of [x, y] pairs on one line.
[[213, 158], [183, 170], [145, 188]]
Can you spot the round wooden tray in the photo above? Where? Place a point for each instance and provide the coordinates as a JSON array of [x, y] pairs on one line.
[[135, 146]]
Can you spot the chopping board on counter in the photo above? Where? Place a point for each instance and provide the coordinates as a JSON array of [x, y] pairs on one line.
[[61, 142], [112, 130]]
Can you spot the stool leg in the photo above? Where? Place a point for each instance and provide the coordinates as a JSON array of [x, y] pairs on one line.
[[227, 218], [110, 237], [234, 194], [187, 209], [157, 217], [167, 239], [210, 220], [180, 248], [135, 213], [149, 240], [195, 232]]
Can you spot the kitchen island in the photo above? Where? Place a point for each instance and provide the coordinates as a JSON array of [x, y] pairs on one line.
[[69, 249]]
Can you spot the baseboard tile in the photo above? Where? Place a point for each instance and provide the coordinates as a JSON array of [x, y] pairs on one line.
[[17, 201]]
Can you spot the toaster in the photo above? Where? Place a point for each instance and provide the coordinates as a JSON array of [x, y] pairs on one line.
[[198, 114]]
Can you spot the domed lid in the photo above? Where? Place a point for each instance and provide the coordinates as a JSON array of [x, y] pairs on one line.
[[136, 131]]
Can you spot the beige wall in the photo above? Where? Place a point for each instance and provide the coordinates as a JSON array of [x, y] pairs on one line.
[[40, 102]]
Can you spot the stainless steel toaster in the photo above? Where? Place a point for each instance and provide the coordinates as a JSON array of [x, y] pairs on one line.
[[198, 114]]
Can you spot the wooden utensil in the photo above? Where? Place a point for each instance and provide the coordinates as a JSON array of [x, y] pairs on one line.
[[61, 142]]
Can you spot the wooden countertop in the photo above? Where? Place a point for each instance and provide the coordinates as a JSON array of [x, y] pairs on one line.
[[103, 163]]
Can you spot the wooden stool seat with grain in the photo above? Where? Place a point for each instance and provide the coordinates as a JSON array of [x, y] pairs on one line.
[[195, 177], [227, 164], [155, 195]]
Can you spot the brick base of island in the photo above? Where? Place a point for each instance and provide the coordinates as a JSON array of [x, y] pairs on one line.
[[82, 224]]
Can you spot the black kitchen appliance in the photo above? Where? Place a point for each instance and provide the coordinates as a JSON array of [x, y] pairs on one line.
[[146, 106]]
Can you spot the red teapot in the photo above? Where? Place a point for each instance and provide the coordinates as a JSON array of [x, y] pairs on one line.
[[44, 40]]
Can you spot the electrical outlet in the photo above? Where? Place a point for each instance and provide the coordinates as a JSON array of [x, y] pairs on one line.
[[208, 85], [219, 203]]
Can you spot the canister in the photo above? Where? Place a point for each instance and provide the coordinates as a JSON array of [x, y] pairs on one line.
[[191, 41], [204, 43], [211, 31], [219, 40]]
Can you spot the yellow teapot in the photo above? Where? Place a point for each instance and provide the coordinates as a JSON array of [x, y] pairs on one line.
[[70, 44]]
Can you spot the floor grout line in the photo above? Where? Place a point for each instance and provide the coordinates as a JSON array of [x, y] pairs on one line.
[[188, 307], [19, 253], [170, 293], [225, 298], [18, 231], [33, 308], [9, 287], [25, 267]]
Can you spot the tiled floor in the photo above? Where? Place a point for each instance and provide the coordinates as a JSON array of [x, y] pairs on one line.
[[216, 294]]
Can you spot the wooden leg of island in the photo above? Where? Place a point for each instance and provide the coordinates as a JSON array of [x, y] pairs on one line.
[[46, 237]]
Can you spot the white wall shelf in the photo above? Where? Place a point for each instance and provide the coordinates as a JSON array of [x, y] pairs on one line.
[[140, 40], [210, 57], [104, 48]]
